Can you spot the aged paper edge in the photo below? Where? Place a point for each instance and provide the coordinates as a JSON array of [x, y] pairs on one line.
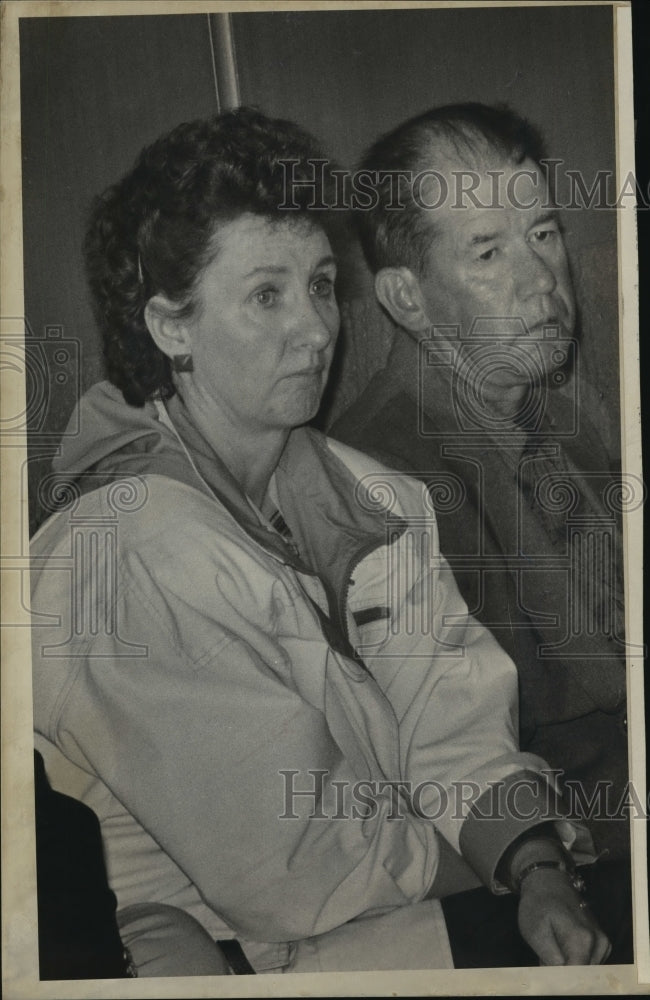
[[20, 963]]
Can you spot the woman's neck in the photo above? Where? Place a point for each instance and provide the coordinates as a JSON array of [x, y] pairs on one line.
[[253, 467], [250, 454]]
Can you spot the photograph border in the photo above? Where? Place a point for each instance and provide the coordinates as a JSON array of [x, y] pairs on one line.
[[20, 963]]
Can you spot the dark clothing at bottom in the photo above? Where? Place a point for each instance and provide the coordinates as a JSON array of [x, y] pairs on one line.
[[78, 936]]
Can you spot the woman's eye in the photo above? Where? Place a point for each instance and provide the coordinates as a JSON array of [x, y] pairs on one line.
[[266, 297], [322, 287]]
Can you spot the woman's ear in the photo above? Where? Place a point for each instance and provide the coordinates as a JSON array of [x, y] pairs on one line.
[[399, 292], [168, 330]]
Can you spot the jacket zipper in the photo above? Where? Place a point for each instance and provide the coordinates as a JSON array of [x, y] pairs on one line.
[[355, 561]]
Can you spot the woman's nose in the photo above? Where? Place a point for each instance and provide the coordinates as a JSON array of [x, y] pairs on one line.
[[315, 329]]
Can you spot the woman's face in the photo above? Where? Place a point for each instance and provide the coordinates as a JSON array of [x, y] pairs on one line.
[[265, 324]]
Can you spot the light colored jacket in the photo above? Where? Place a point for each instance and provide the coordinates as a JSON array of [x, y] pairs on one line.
[[184, 687]]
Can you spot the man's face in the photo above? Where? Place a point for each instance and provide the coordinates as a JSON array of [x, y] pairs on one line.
[[504, 267]]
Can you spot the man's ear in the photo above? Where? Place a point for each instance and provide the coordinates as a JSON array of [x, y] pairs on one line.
[[399, 292], [168, 330]]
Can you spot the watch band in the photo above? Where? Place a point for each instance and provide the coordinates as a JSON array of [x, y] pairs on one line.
[[576, 880]]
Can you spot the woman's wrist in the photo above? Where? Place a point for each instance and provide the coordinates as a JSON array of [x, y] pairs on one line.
[[537, 870], [539, 847]]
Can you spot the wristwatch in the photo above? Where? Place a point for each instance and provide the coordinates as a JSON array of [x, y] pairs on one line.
[[565, 866]]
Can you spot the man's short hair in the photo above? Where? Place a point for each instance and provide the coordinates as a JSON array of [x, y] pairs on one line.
[[400, 236]]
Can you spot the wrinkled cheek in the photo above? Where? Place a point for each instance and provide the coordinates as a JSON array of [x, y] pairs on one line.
[[569, 303], [565, 290]]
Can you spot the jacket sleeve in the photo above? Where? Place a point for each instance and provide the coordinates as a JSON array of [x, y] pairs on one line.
[[454, 692], [204, 734]]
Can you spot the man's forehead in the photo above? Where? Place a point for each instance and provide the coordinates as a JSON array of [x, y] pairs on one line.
[[485, 196]]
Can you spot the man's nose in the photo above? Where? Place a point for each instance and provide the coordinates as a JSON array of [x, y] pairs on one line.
[[534, 275]]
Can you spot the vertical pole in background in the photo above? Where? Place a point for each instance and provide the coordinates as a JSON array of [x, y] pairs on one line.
[[224, 61]]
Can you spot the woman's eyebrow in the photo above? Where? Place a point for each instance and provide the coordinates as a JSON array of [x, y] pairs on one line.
[[267, 269], [328, 261]]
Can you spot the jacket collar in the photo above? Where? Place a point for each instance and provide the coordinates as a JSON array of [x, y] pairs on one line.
[[317, 495], [212, 476]]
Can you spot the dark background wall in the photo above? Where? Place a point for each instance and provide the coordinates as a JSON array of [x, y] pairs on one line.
[[96, 89], [351, 75]]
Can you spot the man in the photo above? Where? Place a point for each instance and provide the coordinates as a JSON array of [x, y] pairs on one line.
[[476, 399]]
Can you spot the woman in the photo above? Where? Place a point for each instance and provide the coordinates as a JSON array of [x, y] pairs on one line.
[[262, 676]]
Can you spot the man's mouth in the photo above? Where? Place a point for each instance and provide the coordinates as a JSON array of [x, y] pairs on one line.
[[543, 324], [305, 372]]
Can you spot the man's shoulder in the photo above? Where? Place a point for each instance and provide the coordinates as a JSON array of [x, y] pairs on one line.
[[383, 423]]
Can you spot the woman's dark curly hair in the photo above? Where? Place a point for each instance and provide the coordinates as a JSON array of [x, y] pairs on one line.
[[153, 230]]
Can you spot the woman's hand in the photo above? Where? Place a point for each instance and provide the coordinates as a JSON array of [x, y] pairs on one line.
[[556, 922]]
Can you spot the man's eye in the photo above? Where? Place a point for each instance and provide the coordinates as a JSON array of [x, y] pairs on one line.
[[322, 287], [544, 235], [266, 297], [488, 254]]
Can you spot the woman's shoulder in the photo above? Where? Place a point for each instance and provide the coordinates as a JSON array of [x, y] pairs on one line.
[[359, 461], [375, 484], [136, 511], [163, 542]]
